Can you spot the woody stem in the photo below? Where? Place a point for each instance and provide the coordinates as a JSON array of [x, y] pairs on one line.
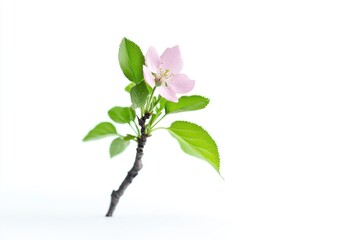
[[115, 195]]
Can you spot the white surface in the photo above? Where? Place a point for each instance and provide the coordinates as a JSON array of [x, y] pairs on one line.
[[47, 217], [283, 78]]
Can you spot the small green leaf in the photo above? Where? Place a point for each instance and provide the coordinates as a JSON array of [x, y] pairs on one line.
[[186, 103], [101, 130], [195, 141], [153, 118], [117, 146], [129, 87], [131, 60], [129, 137], [139, 94], [122, 114], [162, 103]]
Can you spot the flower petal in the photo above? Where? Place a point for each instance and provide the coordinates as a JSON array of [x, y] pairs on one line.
[[171, 60], [181, 83], [152, 59], [168, 94], [149, 78]]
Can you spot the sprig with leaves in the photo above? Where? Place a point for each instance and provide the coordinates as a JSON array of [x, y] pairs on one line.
[[154, 84]]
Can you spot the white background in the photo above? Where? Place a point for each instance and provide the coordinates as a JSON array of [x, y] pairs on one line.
[[283, 79]]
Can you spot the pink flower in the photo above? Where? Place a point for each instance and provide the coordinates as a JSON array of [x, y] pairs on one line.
[[164, 73]]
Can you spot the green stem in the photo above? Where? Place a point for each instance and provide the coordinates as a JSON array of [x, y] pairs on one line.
[[152, 127], [158, 128], [149, 100], [136, 131], [142, 111], [157, 101]]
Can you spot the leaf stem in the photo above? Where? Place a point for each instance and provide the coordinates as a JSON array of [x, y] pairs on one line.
[[142, 111], [158, 128], [149, 100], [157, 101], [157, 122], [136, 132], [137, 129]]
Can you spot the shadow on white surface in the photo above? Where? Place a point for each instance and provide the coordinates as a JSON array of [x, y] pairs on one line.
[[119, 227], [36, 216]]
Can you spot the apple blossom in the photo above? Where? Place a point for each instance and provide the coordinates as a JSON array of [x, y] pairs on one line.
[[164, 73]]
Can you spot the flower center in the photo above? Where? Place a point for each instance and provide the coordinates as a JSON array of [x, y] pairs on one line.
[[163, 77]]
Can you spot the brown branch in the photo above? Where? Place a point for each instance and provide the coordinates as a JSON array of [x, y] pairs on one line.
[[115, 195]]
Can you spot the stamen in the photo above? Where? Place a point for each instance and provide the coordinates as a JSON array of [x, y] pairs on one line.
[[163, 77]]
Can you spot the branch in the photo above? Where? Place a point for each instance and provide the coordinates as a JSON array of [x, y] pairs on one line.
[[115, 195]]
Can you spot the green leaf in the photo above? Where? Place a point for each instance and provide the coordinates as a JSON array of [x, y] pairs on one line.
[[195, 141], [186, 103], [162, 103], [101, 130], [131, 60], [117, 146], [129, 137], [122, 114], [129, 87], [139, 94]]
